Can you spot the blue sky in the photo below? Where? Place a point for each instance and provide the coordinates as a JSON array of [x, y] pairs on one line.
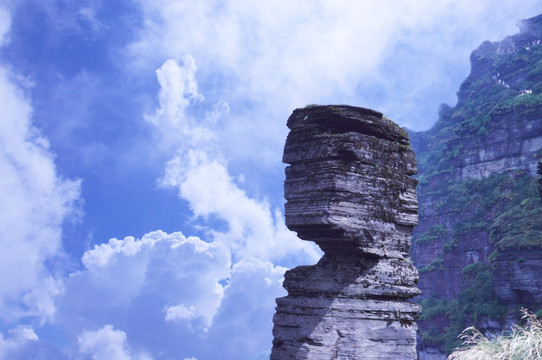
[[141, 146]]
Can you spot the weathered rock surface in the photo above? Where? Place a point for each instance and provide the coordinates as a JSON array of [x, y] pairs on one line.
[[517, 277], [477, 171], [540, 178], [349, 189], [512, 146]]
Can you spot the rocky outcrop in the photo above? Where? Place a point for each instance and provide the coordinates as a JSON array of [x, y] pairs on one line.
[[517, 277], [540, 178], [514, 145], [478, 245], [349, 189]]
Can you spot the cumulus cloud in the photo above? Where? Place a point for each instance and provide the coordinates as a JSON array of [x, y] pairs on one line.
[[22, 342], [180, 274], [180, 312], [166, 287], [177, 87], [34, 202], [107, 344]]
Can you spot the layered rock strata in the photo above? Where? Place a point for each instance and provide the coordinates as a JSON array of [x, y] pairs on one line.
[[349, 189], [478, 242]]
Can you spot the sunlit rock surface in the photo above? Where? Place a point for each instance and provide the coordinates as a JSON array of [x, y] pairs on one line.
[[349, 189]]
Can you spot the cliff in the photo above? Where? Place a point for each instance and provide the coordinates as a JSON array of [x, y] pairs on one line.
[[478, 244], [349, 189]]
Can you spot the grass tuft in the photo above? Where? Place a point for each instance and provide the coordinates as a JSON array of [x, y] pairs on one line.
[[524, 342]]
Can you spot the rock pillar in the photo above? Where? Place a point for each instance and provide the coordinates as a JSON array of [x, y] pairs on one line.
[[349, 189]]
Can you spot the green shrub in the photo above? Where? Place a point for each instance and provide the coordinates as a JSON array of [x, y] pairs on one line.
[[436, 264], [435, 232], [475, 302], [519, 227]]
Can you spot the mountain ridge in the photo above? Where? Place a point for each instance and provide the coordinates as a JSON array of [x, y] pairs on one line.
[[478, 245]]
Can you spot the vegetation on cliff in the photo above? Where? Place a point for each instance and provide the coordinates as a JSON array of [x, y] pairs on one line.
[[475, 302], [493, 204]]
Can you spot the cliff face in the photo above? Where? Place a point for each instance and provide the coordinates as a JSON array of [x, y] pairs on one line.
[[514, 145], [478, 244], [349, 189]]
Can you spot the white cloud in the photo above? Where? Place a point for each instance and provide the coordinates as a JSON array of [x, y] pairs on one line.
[[166, 287], [253, 229], [201, 175], [175, 271], [107, 344], [180, 312], [175, 129], [34, 202], [17, 339], [242, 327], [404, 58], [177, 87]]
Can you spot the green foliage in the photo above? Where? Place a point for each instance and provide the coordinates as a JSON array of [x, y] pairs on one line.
[[484, 97], [521, 102], [519, 227], [436, 264], [447, 337], [473, 269], [435, 232], [504, 208], [450, 244], [475, 302], [507, 206], [478, 298]]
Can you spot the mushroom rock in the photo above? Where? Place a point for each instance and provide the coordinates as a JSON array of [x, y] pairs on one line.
[[349, 189]]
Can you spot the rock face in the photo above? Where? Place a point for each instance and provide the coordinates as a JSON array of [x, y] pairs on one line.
[[514, 145], [478, 245], [540, 178], [349, 189], [517, 277]]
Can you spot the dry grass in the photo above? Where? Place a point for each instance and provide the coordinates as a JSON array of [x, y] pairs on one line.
[[524, 343]]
